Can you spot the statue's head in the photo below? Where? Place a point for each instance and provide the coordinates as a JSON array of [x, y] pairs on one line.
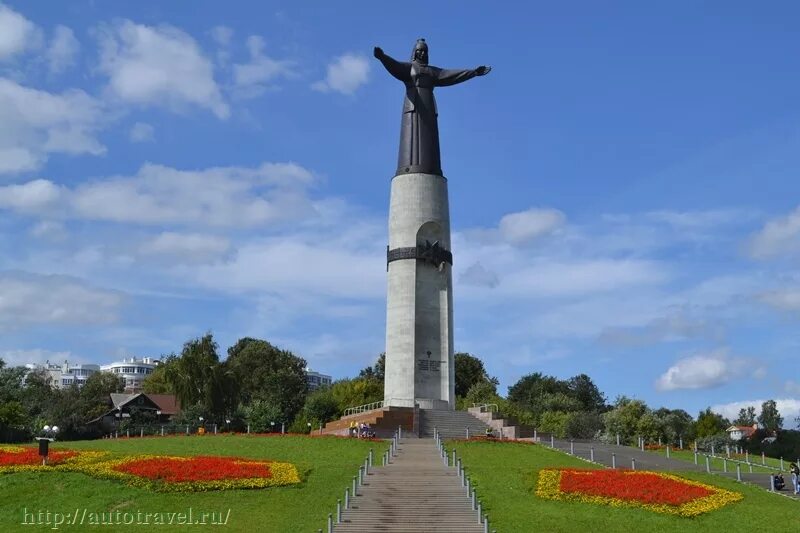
[[420, 53]]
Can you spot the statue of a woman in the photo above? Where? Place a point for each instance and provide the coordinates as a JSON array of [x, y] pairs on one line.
[[419, 130]]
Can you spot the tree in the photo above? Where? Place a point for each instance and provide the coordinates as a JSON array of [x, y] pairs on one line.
[[770, 419], [747, 416], [262, 414], [355, 392], [376, 371], [623, 419], [157, 382], [709, 424], [95, 395], [198, 378], [483, 392], [529, 390], [469, 371], [583, 389], [320, 406], [264, 372], [677, 424]]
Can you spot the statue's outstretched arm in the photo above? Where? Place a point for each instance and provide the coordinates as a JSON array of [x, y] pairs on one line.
[[447, 76], [400, 70]]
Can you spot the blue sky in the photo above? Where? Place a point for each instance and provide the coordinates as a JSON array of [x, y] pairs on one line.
[[623, 185]]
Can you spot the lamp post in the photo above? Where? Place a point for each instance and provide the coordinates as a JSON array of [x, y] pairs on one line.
[[309, 427], [202, 429], [228, 425], [272, 427], [44, 442], [158, 419]]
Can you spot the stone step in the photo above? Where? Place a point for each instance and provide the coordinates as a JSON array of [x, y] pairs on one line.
[[449, 424], [415, 493]]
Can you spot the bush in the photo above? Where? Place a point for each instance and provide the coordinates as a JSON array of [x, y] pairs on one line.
[[718, 441], [583, 425], [554, 422]]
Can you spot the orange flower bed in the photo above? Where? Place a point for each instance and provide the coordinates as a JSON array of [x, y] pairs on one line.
[[199, 468], [655, 491], [25, 455]]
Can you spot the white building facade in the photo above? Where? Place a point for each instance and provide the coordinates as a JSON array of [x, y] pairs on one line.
[[132, 370], [65, 375]]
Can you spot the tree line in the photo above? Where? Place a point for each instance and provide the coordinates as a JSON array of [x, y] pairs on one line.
[[259, 384]]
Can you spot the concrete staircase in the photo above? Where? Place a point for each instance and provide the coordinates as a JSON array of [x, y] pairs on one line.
[[450, 424], [416, 493], [505, 427]]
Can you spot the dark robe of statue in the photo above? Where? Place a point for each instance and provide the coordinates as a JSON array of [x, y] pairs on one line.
[[419, 130]]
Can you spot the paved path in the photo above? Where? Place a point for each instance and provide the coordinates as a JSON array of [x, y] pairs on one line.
[[415, 493], [657, 461]]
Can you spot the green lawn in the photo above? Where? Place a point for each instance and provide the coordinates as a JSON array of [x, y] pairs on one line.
[[505, 476], [326, 466]]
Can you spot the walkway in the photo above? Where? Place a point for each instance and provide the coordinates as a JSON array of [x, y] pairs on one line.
[[415, 493]]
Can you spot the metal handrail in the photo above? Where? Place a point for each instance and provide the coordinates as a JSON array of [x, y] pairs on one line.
[[363, 408], [491, 407]]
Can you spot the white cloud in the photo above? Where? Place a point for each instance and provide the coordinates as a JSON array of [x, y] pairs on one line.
[[222, 35], [50, 230], [141, 132], [37, 123], [17, 34], [779, 236], [674, 327], [479, 275], [345, 74], [160, 66], [63, 49], [27, 299], [548, 278], [36, 356], [704, 371], [252, 79], [526, 226], [224, 196], [787, 299], [186, 247], [32, 197], [789, 409]]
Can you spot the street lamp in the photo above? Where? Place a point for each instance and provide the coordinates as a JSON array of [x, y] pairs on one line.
[[44, 442], [272, 427], [309, 427]]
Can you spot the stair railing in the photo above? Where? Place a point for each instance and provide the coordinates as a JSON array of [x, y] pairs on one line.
[[363, 408], [487, 407]]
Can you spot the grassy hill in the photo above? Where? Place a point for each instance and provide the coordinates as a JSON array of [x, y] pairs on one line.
[[505, 476], [326, 466]]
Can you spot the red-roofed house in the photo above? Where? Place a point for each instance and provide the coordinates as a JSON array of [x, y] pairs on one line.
[[741, 432]]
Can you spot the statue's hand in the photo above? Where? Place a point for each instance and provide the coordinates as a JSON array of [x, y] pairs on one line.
[[483, 70], [377, 52]]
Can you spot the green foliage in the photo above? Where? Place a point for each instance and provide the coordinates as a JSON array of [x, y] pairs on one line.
[[320, 406], [95, 393], [354, 392], [12, 414], [583, 425], [583, 389], [482, 392], [676, 424], [261, 414], [554, 422], [376, 371], [470, 371], [198, 378], [770, 419], [747, 416], [157, 382], [264, 372], [710, 424], [623, 419]]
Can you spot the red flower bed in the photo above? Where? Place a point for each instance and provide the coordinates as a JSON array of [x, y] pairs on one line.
[[642, 487], [199, 468], [18, 456]]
